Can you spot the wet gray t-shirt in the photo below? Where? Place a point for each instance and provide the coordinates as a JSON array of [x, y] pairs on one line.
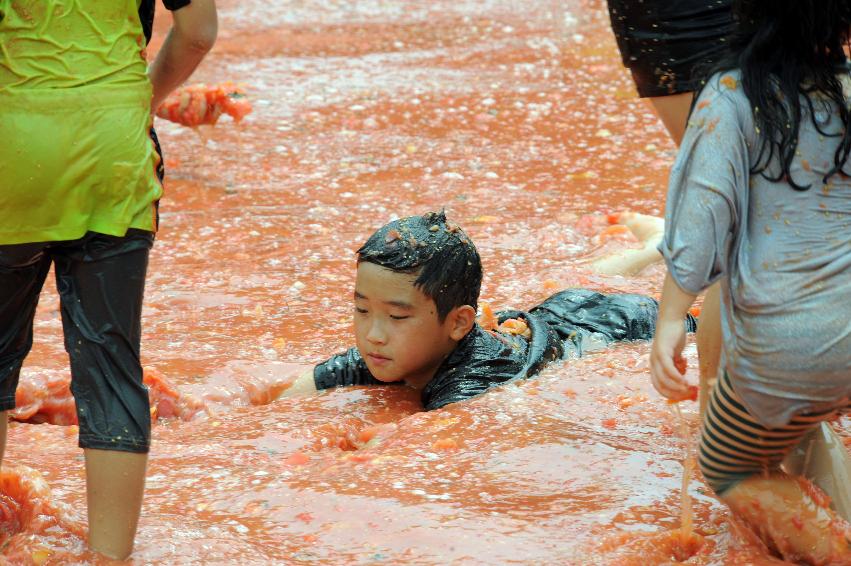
[[783, 256]]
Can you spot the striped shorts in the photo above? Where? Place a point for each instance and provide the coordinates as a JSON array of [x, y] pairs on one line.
[[734, 446]]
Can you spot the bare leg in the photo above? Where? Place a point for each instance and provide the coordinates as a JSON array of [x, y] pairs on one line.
[[709, 343], [821, 456], [115, 482], [787, 517], [673, 111], [649, 230]]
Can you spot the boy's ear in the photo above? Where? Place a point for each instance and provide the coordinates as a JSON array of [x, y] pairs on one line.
[[462, 319]]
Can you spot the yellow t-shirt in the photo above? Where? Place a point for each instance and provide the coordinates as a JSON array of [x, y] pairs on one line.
[[74, 119]]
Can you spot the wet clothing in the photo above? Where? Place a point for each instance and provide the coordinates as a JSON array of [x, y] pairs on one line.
[[101, 281], [783, 256], [80, 178], [566, 325], [734, 446], [97, 166], [92, 169], [663, 42]]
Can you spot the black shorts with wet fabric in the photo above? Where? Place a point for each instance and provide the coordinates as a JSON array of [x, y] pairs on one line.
[[666, 43], [101, 281]]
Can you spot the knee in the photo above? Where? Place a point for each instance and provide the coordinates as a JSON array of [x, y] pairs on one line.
[[121, 423]]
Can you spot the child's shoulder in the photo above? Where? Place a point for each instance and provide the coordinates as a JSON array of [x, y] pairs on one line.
[[484, 358], [487, 358], [722, 105], [723, 88]]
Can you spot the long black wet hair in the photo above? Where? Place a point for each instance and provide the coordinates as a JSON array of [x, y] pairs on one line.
[[786, 49], [446, 263]]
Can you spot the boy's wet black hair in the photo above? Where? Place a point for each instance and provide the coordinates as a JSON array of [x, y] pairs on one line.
[[447, 264]]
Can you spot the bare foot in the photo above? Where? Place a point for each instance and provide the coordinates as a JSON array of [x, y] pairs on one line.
[[649, 230]]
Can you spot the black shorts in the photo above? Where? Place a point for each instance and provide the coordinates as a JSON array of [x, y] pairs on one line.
[[101, 281], [666, 43]]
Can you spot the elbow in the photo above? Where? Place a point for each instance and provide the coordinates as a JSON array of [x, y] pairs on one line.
[[197, 25], [201, 40], [197, 31]]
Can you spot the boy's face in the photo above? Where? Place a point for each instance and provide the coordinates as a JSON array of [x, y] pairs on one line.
[[397, 330]]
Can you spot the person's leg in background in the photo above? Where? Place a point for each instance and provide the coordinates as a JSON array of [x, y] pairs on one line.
[[23, 269], [673, 110], [101, 281], [665, 47], [649, 230], [709, 343]]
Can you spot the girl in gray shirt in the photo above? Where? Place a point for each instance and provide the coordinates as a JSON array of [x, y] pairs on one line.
[[758, 200]]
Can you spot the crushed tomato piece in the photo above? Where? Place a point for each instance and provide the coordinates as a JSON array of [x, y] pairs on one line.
[[728, 82], [203, 104], [487, 319], [516, 327]]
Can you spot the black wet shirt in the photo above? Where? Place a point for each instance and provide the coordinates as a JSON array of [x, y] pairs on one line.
[[565, 325], [481, 360]]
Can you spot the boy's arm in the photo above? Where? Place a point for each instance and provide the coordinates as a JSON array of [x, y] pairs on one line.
[[341, 370], [302, 386], [190, 38]]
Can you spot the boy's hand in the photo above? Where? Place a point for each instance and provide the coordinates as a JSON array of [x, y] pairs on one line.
[[666, 360], [302, 385]]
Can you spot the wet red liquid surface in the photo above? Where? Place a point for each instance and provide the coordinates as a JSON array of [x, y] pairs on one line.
[[518, 118]]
